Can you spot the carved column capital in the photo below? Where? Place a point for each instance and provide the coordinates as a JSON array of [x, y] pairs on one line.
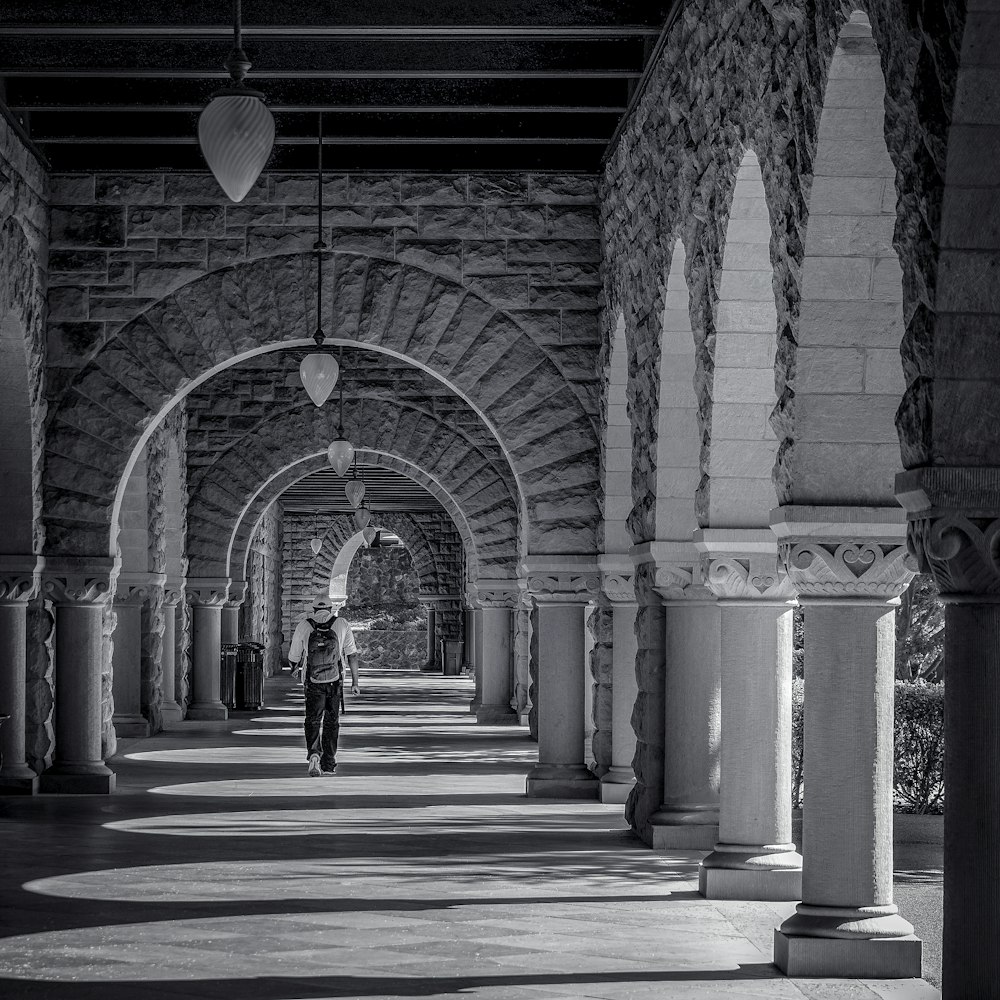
[[207, 592], [134, 588], [617, 577], [19, 578], [173, 593], [740, 564], [237, 593], [840, 553], [953, 527], [77, 581], [671, 569], [497, 594], [562, 579]]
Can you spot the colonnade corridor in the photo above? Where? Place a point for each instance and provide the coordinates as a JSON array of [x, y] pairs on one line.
[[221, 869]]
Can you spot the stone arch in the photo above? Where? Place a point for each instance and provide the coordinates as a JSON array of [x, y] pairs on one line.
[[738, 463], [480, 352], [464, 470], [836, 415], [22, 406], [254, 511], [342, 564]]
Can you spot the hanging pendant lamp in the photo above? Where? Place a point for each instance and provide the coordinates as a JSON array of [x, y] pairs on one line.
[[236, 130], [362, 518], [316, 544], [369, 535], [354, 489], [341, 452]]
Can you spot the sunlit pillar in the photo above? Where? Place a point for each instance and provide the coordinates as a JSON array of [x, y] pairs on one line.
[[522, 656], [848, 566], [497, 599], [206, 598], [562, 589], [754, 857], [79, 589], [18, 584], [431, 662], [230, 627]]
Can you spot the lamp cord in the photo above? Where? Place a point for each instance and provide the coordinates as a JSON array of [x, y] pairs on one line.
[[319, 246], [340, 364], [237, 63]]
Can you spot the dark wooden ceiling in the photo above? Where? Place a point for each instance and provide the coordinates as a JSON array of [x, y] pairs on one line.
[[403, 84]]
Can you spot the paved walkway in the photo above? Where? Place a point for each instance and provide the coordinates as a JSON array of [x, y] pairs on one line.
[[221, 870]]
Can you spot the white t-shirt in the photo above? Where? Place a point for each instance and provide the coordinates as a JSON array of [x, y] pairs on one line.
[[298, 650]]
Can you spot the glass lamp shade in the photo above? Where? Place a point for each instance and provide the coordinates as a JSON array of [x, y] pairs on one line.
[[369, 535], [316, 544], [319, 375], [236, 135], [361, 517], [355, 490], [341, 454]]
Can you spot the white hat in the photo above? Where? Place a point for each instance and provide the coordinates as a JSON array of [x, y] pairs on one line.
[[322, 603]]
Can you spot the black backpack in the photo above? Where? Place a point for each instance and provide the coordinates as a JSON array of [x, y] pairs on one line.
[[323, 652]]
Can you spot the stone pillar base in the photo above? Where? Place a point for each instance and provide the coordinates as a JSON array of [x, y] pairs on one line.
[[566, 781], [77, 779], [129, 727], [847, 958], [496, 715], [525, 719], [475, 705], [693, 830], [18, 780], [208, 712], [616, 784], [171, 714], [430, 667], [738, 871]]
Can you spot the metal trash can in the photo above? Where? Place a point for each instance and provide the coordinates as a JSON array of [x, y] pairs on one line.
[[451, 656], [227, 674], [249, 676]]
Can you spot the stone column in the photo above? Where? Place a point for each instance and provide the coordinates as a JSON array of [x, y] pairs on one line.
[[476, 659], [954, 521], [688, 817], [618, 584], [522, 657], [498, 598], [18, 585], [126, 658], [206, 598], [562, 589], [755, 857], [588, 687], [848, 566], [230, 627], [431, 664], [79, 590], [169, 709]]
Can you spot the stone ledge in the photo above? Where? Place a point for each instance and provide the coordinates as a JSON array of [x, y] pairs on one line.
[[894, 958]]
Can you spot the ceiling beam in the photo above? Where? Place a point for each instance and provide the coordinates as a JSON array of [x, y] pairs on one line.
[[312, 109], [472, 73], [338, 140]]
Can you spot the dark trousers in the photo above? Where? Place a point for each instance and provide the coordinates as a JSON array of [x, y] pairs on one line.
[[323, 721]]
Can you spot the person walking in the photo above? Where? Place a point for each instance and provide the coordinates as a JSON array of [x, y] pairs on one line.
[[319, 645]]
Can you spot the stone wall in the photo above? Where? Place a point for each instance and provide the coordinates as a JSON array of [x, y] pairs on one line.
[[382, 576], [153, 623], [260, 616], [492, 281], [731, 79]]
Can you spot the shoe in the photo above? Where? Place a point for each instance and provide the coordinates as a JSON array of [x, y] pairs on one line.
[[314, 771], [329, 771]]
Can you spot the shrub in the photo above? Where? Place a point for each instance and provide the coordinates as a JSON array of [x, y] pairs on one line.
[[919, 739], [918, 775]]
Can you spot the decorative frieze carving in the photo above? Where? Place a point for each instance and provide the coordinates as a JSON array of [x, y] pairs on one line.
[[173, 593], [561, 586], [619, 588], [498, 594], [746, 576], [19, 579], [76, 588], [237, 594], [135, 588]]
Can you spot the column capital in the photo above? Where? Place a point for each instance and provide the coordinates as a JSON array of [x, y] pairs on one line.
[[134, 588], [208, 592], [953, 526], [19, 578], [70, 580], [433, 600], [672, 569], [236, 594], [556, 579], [844, 553], [741, 564], [498, 594], [173, 593], [617, 577]]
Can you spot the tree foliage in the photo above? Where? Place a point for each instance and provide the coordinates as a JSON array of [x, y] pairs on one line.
[[920, 632]]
